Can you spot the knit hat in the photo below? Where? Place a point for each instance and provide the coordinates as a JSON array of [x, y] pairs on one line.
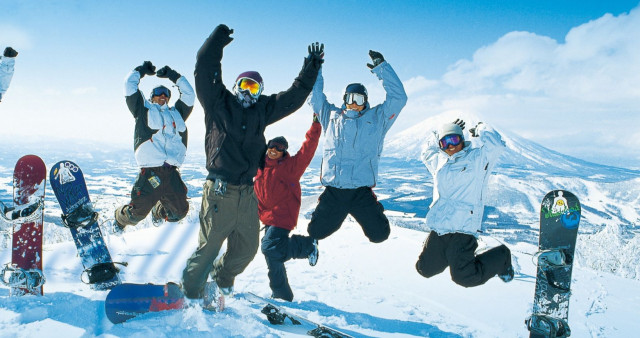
[[450, 129], [279, 140]]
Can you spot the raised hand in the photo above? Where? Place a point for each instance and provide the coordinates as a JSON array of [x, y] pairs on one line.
[[376, 57], [167, 72], [147, 68], [10, 52], [460, 123]]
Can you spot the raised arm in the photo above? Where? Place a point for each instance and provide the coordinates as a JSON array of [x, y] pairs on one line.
[[133, 95], [304, 156], [290, 100], [208, 71], [7, 63], [396, 97]]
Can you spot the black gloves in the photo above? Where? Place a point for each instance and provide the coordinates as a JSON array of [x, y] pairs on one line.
[[474, 131], [316, 55], [147, 68], [376, 57], [10, 52], [167, 72], [460, 123], [222, 35], [315, 118]]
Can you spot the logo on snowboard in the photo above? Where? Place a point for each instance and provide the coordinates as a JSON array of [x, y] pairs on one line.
[[63, 174]]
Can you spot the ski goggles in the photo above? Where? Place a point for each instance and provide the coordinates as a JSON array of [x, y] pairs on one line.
[[250, 85], [161, 90], [351, 98], [450, 140], [279, 147]]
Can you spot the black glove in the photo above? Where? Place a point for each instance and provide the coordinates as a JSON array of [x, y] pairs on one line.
[[460, 123], [167, 72], [376, 57], [222, 35], [316, 55], [315, 118], [474, 130], [147, 68], [10, 52]]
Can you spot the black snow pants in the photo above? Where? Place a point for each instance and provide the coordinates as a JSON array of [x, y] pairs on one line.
[[334, 204], [457, 251], [278, 248]]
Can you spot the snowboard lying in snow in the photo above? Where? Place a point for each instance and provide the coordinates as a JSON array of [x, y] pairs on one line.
[[277, 315]]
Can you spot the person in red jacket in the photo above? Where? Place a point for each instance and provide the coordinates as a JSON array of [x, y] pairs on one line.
[[277, 187]]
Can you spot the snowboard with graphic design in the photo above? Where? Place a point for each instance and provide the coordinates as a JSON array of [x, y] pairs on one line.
[[559, 222], [68, 184], [29, 182], [128, 300]]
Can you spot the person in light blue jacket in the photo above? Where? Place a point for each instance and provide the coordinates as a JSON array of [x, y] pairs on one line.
[[460, 175], [6, 69], [354, 134]]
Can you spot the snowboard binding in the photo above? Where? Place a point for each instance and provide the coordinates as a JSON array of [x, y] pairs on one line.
[[22, 214], [80, 217], [551, 260], [547, 326], [275, 317], [15, 277], [100, 272]]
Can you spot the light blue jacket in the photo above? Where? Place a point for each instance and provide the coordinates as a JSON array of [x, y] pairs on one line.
[[459, 182], [6, 73], [353, 140]]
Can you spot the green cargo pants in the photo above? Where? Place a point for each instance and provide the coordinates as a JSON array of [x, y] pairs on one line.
[[233, 217]]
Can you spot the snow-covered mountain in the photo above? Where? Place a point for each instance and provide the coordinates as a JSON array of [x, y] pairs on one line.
[[365, 289]]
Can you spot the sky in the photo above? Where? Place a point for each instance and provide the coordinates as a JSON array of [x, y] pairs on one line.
[[565, 74]]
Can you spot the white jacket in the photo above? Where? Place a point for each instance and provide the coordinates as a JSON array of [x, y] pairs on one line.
[[6, 73], [459, 181]]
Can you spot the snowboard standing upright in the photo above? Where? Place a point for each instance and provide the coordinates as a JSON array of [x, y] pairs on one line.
[[128, 300], [78, 215], [29, 181], [559, 221]]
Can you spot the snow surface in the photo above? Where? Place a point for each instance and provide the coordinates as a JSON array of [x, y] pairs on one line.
[[364, 289]]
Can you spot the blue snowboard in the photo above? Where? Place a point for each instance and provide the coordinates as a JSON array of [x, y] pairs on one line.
[[68, 184], [128, 300]]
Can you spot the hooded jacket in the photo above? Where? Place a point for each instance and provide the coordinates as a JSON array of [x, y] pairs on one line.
[[234, 140], [459, 181], [6, 73], [277, 185], [353, 140], [160, 133]]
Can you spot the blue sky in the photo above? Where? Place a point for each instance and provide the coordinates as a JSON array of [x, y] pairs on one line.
[[565, 74]]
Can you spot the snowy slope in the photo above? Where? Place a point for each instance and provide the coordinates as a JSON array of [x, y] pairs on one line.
[[365, 289]]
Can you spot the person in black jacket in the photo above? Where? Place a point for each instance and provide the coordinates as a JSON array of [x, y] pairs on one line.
[[235, 144]]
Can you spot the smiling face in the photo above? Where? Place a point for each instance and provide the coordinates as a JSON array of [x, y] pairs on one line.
[[354, 106], [161, 99], [451, 149], [274, 154]]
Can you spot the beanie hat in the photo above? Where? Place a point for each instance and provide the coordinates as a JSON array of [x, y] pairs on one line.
[[253, 75], [280, 140], [450, 129]]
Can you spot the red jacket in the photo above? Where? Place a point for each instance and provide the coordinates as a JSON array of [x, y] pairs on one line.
[[277, 185]]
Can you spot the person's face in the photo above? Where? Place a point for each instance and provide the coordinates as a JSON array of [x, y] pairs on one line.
[[451, 149], [161, 99], [274, 154], [355, 106]]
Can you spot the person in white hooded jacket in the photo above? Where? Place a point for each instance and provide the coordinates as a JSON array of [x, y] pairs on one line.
[[160, 144], [460, 173]]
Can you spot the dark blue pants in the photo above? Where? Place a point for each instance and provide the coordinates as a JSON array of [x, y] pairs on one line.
[[334, 204], [278, 248]]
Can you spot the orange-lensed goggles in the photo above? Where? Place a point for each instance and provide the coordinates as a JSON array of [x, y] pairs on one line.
[[250, 85]]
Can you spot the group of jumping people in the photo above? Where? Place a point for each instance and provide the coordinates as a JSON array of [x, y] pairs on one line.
[[252, 181]]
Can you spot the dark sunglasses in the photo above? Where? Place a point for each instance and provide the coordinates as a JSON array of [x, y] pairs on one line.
[[279, 147]]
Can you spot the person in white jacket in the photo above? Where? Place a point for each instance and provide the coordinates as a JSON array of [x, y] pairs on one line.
[[6, 69], [460, 175]]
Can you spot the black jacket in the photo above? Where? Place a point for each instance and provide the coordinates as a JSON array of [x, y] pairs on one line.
[[234, 140]]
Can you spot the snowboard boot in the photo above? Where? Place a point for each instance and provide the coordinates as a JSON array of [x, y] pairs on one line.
[[213, 298], [274, 316], [508, 275], [157, 216], [552, 258], [313, 256]]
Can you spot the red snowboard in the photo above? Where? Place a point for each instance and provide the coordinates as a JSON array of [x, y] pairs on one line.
[[29, 181]]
